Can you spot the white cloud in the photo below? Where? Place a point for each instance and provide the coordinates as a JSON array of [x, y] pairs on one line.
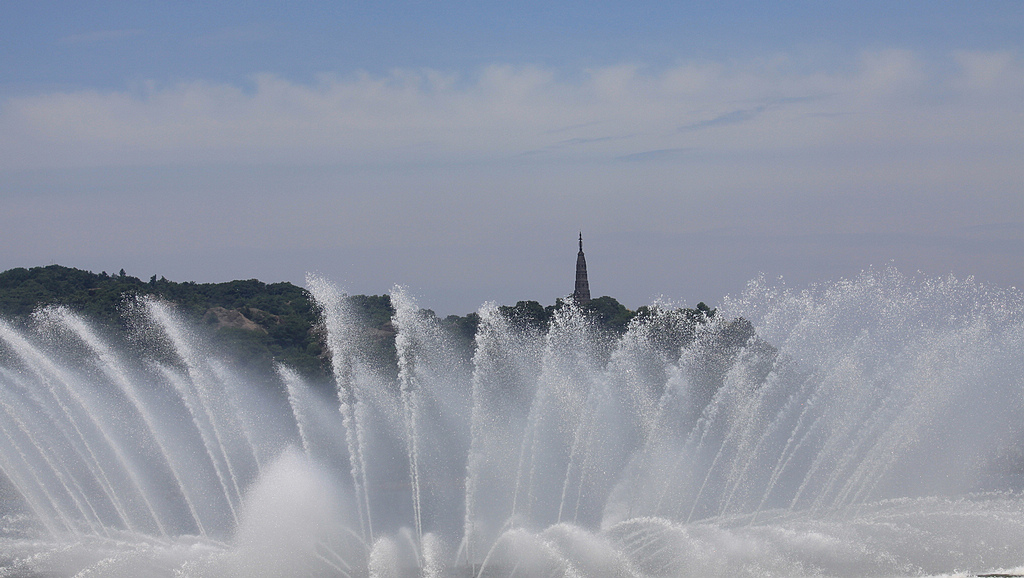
[[417, 116]]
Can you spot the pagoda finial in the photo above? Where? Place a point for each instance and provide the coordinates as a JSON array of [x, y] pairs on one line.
[[581, 241]]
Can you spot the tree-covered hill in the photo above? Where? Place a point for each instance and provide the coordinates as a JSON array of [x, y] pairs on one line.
[[258, 323]]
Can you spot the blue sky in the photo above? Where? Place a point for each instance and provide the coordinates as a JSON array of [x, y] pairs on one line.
[[457, 148], [112, 44]]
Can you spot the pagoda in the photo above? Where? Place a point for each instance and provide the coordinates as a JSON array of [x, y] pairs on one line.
[[582, 293]]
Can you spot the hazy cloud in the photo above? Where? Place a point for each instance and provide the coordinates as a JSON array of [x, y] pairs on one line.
[[430, 116], [658, 155], [1012, 230]]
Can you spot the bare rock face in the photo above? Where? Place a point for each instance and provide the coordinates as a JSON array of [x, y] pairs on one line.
[[232, 318]]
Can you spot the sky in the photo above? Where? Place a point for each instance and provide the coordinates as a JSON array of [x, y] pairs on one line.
[[459, 148]]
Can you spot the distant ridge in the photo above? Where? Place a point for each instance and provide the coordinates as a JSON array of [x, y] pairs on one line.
[[260, 323]]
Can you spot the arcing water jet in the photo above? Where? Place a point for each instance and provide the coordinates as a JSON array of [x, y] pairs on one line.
[[867, 427]]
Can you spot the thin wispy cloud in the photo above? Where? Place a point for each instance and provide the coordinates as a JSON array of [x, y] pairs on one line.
[[658, 155], [733, 117], [581, 141], [562, 129]]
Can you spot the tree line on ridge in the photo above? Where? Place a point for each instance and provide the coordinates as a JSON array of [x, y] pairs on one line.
[[258, 323]]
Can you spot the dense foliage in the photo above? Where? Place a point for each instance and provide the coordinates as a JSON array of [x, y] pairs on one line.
[[606, 312], [260, 323]]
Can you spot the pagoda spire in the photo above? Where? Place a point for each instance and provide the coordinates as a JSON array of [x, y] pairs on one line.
[[582, 292]]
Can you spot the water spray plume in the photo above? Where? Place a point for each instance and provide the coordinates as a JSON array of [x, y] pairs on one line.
[[868, 427]]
